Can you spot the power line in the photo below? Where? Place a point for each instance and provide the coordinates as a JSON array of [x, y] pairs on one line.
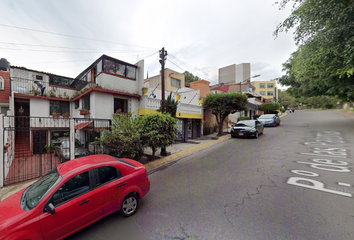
[[186, 66], [53, 51], [65, 35], [61, 47]]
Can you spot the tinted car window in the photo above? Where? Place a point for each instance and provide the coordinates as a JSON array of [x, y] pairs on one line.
[[242, 124], [106, 174], [72, 188]]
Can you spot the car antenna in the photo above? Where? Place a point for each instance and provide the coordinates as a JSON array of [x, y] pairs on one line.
[[62, 165]]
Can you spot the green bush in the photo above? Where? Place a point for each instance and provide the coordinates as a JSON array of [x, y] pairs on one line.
[[123, 139], [156, 130], [256, 116]]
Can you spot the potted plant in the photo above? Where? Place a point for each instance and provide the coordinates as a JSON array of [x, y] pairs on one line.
[[66, 115], [145, 91], [54, 114], [83, 111], [60, 96], [50, 147], [200, 101]]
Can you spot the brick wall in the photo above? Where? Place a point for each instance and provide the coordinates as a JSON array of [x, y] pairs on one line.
[[4, 94]]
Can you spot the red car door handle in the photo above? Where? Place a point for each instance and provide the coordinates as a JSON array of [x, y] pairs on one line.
[[121, 185], [84, 202]]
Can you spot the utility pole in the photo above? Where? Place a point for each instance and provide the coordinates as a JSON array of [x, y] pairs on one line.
[[163, 55]]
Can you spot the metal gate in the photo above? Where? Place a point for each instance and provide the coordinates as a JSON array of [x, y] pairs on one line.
[[25, 140]]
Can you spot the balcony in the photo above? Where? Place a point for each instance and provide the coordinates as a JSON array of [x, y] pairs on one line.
[[29, 87], [154, 104]]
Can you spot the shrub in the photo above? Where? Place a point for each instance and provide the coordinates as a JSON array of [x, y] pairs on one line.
[[123, 140], [156, 130]]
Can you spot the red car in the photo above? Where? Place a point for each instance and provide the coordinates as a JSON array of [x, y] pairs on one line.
[[72, 196]]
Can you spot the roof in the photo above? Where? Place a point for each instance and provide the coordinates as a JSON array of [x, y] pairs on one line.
[[224, 88], [82, 125]]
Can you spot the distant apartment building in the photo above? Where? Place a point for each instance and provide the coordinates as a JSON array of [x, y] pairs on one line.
[[235, 73], [267, 89]]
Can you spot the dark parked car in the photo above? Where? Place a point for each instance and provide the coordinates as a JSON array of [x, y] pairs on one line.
[[270, 120], [247, 128], [63, 149]]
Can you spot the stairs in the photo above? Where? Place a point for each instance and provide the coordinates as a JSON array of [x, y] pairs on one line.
[[22, 144]]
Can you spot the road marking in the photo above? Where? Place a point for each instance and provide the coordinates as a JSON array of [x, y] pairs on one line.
[[313, 184], [322, 155], [345, 184]]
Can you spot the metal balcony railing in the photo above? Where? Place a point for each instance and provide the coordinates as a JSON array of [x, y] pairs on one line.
[[29, 87]]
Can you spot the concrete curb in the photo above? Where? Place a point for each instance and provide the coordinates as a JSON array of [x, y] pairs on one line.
[[169, 160], [151, 167]]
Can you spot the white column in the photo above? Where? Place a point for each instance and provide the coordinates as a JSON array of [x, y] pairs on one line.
[[72, 139], [1, 150]]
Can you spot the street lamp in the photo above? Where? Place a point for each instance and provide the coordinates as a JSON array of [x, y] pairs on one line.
[[248, 79]]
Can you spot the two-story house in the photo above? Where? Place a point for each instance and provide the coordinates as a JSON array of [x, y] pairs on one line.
[[189, 109], [78, 108]]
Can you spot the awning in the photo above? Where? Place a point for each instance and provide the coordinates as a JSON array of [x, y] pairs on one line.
[[82, 125]]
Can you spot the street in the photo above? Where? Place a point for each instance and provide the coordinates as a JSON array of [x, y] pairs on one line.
[[295, 181]]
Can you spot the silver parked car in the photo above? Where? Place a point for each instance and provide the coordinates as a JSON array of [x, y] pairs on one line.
[[270, 120], [63, 149]]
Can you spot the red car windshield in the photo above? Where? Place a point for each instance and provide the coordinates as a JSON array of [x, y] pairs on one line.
[[34, 194]]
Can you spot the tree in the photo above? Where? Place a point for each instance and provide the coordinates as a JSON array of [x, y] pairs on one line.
[[123, 139], [189, 77], [268, 108], [223, 104], [170, 106], [324, 62], [156, 130]]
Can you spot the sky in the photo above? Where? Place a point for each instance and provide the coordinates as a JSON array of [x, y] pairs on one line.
[[64, 37]]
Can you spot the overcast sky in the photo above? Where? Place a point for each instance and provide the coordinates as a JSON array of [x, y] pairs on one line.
[[65, 36]]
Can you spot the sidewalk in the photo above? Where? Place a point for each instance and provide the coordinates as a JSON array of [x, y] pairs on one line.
[[177, 150]]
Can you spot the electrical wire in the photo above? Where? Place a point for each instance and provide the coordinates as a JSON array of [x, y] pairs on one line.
[[187, 66], [65, 35]]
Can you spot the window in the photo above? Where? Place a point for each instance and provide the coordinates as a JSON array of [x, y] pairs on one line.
[[119, 68], [270, 93], [86, 102], [270, 85], [175, 82], [262, 85], [262, 93], [2, 82], [77, 104], [120, 105], [59, 107], [106, 174], [39, 77], [72, 188], [131, 72], [60, 81]]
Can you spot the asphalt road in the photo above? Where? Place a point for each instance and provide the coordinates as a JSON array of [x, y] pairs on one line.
[[294, 182]]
